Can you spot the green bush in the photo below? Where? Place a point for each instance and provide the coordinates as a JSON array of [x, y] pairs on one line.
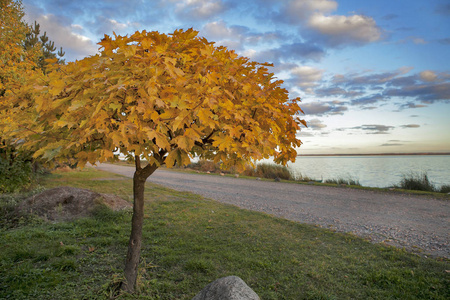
[[272, 171], [445, 188], [15, 174], [416, 182]]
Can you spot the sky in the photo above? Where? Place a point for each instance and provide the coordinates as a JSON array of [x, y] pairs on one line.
[[373, 76]]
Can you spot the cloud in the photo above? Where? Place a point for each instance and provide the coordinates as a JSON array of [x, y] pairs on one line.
[[427, 87], [199, 9], [391, 143], [358, 81], [428, 76], [443, 9], [324, 108], [445, 41], [315, 19], [412, 105], [426, 93], [297, 10], [316, 124], [306, 77], [389, 17], [419, 41], [342, 30], [374, 129], [371, 99], [59, 29], [410, 126], [300, 52], [338, 91], [240, 37]]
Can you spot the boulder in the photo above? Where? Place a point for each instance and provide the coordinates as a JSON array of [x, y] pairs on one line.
[[68, 203], [227, 288]]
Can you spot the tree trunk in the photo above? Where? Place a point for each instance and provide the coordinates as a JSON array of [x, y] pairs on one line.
[[137, 221]]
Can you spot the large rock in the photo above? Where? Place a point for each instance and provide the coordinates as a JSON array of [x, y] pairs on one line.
[[68, 203], [227, 288]]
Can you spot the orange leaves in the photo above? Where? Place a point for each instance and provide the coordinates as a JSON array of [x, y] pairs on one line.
[[177, 156], [166, 97]]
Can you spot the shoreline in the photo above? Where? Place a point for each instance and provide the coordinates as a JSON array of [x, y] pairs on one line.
[[382, 154]]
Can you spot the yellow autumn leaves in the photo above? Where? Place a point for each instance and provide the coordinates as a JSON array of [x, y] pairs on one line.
[[167, 98]]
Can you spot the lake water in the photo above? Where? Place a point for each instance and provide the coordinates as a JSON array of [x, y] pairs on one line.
[[374, 171]]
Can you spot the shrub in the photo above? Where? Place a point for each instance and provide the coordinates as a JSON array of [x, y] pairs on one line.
[[445, 188], [272, 171], [416, 182], [15, 174]]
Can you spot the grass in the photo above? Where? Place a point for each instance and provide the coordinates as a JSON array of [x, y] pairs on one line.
[[262, 170], [190, 241], [343, 181], [420, 182]]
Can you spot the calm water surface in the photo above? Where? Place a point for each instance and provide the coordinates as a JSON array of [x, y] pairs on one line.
[[374, 171]]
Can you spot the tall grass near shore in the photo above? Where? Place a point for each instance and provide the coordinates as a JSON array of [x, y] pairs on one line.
[[262, 170], [420, 182]]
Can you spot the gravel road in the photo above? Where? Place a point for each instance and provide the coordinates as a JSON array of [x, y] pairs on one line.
[[417, 223]]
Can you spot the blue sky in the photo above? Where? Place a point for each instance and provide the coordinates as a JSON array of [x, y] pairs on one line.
[[374, 76]]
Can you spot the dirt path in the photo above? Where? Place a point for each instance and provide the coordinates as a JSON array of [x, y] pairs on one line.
[[401, 220]]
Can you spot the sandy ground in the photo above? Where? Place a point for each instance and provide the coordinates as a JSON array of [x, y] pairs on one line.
[[417, 223]]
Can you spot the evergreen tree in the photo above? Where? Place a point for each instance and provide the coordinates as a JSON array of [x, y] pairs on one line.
[[34, 39]]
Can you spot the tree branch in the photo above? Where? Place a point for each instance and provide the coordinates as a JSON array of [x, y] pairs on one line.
[[137, 162]]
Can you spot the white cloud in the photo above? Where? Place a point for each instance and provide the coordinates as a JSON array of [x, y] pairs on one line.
[[74, 44], [428, 76], [306, 77], [199, 9], [297, 10], [338, 30], [316, 124]]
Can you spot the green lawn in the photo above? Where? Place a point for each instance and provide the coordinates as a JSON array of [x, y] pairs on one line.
[[190, 241]]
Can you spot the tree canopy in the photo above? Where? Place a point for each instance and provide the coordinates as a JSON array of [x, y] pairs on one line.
[[165, 98]]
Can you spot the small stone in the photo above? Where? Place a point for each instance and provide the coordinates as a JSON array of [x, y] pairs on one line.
[[236, 175], [227, 288]]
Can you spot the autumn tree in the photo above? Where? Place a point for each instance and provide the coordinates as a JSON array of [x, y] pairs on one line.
[[165, 99], [16, 66]]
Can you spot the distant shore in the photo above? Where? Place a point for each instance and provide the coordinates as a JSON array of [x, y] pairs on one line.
[[379, 154]]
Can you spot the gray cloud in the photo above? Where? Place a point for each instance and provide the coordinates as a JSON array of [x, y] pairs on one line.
[[445, 41], [368, 100], [337, 31], [292, 52], [410, 126], [391, 144], [324, 108], [426, 93], [316, 124], [389, 17], [195, 10], [338, 91], [411, 105], [374, 129], [418, 89], [443, 9]]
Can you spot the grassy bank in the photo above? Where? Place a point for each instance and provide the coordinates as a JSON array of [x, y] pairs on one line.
[[190, 241]]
